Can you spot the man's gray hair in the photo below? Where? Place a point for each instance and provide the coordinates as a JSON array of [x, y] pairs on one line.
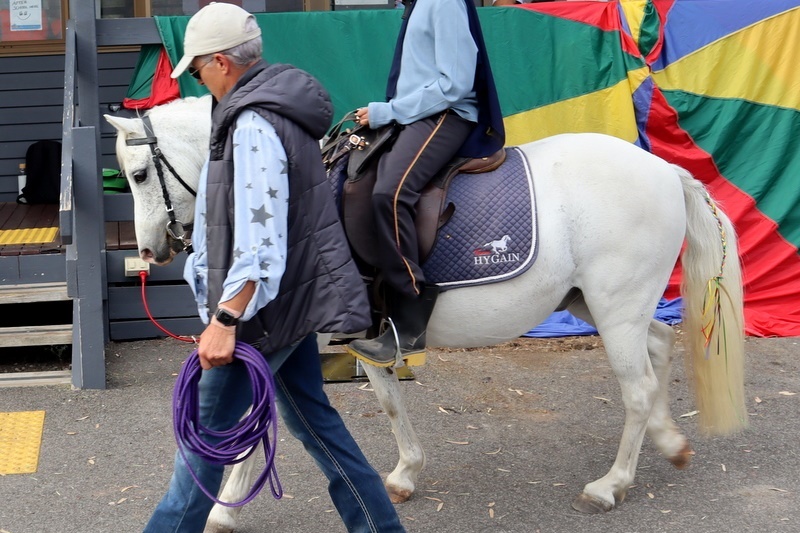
[[245, 53]]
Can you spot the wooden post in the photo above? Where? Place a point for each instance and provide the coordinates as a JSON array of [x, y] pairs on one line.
[[86, 256], [141, 8], [316, 5]]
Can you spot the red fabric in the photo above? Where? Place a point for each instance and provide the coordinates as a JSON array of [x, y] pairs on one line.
[[604, 16], [770, 264], [164, 89]]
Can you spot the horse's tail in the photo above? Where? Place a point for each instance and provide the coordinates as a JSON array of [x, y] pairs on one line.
[[713, 315]]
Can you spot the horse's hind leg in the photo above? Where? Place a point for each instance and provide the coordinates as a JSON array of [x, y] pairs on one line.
[[661, 428], [625, 341]]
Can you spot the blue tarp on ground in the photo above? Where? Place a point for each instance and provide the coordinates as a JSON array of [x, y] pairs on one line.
[[563, 324]]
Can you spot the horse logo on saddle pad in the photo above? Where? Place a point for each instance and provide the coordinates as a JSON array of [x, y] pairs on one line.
[[473, 228]]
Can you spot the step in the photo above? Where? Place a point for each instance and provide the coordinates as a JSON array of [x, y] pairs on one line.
[[35, 335], [32, 379], [33, 292]]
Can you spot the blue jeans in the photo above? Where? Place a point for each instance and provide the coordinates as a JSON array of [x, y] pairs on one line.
[[225, 394]]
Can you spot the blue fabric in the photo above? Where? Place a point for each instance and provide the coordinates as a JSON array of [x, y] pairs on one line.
[[563, 324], [438, 58], [489, 134], [698, 23], [355, 488]]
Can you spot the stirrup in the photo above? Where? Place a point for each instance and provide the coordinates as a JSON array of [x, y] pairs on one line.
[[398, 357]]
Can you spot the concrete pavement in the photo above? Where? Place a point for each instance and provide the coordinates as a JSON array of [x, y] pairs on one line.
[[537, 425]]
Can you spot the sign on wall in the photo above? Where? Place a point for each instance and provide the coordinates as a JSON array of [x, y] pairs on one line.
[[26, 15]]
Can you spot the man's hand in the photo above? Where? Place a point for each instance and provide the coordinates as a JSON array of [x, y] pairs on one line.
[[216, 345]]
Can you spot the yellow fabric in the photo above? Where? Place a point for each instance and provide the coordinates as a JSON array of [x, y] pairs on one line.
[[28, 236], [633, 10], [606, 111], [20, 441], [763, 50]]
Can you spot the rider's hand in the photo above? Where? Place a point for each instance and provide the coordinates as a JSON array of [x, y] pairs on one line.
[[362, 116], [217, 344]]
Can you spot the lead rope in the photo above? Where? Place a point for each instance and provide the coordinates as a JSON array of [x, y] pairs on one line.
[[239, 442], [241, 439]]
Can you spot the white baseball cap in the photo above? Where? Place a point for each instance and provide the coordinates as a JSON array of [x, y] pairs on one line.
[[215, 28]]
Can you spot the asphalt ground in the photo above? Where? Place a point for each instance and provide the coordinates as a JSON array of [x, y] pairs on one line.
[[512, 434]]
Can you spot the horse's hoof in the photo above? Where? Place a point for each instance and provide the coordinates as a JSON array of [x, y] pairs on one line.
[[399, 495], [682, 459], [588, 505]]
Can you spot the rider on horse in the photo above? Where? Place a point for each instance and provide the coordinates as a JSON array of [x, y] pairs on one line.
[[442, 93]]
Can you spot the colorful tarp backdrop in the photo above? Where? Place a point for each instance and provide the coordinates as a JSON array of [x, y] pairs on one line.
[[710, 85]]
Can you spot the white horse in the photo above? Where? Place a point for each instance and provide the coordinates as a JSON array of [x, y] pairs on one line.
[[612, 221]]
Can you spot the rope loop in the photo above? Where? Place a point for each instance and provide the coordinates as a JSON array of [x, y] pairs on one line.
[[237, 443]]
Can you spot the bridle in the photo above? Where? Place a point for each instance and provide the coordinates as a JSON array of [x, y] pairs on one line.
[[176, 229]]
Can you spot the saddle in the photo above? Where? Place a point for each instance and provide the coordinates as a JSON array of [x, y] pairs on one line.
[[432, 213]]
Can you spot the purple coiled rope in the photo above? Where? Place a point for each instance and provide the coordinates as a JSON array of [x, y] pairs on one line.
[[242, 438]]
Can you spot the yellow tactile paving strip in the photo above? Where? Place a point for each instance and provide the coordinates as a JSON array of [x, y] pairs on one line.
[[28, 236], [20, 441]]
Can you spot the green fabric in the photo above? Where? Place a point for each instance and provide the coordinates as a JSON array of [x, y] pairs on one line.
[[649, 31], [529, 50], [350, 52], [172, 30], [143, 75], [114, 181], [749, 141]]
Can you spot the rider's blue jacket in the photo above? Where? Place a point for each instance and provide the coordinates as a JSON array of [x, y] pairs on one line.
[[438, 65]]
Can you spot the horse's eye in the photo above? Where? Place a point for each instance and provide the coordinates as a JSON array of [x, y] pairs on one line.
[[140, 176]]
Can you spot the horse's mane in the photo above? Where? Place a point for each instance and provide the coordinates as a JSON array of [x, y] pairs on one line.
[[181, 107]]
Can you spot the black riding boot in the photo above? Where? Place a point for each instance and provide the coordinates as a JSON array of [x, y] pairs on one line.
[[409, 321]]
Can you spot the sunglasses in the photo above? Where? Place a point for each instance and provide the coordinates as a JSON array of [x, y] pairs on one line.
[[195, 72]]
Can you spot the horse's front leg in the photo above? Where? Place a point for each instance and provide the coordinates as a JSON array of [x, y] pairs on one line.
[[222, 519], [629, 359], [401, 482]]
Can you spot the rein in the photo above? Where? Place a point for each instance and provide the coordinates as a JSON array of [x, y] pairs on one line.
[[175, 227], [238, 443]]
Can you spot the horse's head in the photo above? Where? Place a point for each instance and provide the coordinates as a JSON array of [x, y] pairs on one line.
[[182, 130]]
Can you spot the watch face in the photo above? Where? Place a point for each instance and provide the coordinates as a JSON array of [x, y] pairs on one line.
[[225, 318]]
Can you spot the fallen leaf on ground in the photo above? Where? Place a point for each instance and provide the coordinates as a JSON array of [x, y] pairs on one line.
[[689, 414], [787, 393]]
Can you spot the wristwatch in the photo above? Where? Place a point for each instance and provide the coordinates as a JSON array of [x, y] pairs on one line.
[[225, 318]]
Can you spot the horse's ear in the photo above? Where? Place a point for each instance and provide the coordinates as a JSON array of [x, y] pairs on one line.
[[124, 125]]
